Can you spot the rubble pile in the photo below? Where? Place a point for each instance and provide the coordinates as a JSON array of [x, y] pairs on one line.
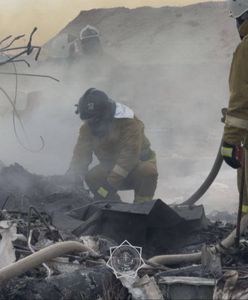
[[73, 276], [55, 244]]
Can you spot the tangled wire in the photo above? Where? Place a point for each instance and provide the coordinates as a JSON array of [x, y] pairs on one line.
[[19, 52]]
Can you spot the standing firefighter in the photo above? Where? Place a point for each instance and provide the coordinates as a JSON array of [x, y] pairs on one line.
[[116, 137], [236, 124]]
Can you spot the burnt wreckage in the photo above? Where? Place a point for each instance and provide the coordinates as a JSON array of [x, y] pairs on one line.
[[55, 243]]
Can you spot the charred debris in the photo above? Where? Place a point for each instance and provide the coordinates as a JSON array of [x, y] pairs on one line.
[[55, 243]]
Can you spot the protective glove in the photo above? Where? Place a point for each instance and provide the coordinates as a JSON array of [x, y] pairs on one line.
[[106, 191], [232, 154]]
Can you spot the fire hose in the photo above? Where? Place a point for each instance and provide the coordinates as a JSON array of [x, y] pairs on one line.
[[61, 248], [212, 175], [233, 237], [209, 180], [41, 256], [196, 257]]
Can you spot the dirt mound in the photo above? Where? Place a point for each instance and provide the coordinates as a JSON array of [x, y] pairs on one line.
[[196, 33]]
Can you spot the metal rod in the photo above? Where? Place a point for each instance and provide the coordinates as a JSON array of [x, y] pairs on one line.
[[241, 196], [30, 74], [5, 39], [32, 208], [14, 39], [49, 271], [5, 202]]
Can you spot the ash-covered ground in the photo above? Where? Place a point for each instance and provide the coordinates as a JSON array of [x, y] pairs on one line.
[[56, 244]]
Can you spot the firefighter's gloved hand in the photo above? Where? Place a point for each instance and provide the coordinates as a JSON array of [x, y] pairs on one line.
[[106, 191], [232, 154]]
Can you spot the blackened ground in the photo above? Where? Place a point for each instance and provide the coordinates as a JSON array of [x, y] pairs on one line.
[[84, 284], [52, 195], [54, 198]]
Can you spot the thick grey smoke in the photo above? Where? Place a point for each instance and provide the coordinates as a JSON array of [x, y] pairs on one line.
[[170, 65]]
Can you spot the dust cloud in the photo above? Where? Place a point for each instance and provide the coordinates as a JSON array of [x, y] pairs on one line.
[[169, 65]]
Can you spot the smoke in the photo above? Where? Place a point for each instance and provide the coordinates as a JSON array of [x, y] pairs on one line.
[[170, 65]]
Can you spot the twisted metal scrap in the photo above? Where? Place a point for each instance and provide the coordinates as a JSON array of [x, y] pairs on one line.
[[28, 49]]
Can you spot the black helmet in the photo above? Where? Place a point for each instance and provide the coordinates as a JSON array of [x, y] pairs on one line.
[[95, 104]]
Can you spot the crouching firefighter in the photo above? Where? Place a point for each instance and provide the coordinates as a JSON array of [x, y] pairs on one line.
[[235, 142], [116, 137]]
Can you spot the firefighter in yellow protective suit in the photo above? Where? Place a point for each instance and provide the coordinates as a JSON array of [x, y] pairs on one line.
[[236, 124], [116, 137]]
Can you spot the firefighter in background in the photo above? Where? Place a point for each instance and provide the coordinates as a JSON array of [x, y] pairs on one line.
[[116, 137], [87, 63], [88, 44], [236, 124]]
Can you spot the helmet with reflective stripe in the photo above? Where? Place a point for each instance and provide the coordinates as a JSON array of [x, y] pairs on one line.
[[237, 7]]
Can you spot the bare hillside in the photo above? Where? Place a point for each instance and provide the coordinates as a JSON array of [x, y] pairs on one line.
[[195, 33]]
